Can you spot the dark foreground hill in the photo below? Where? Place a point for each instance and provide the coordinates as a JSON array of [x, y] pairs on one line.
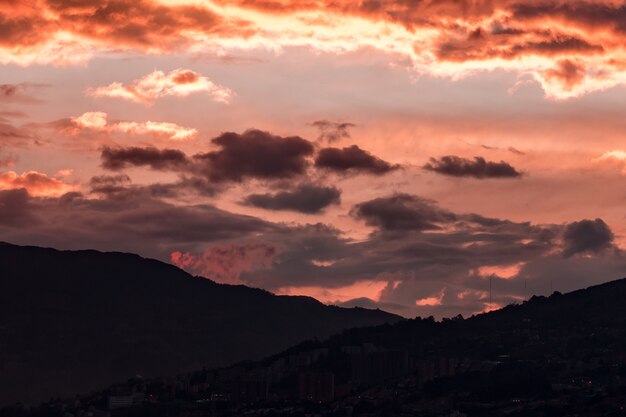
[[564, 355], [74, 321]]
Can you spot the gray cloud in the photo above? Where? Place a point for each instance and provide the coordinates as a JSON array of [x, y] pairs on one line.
[[456, 166], [587, 236], [332, 131], [15, 209], [402, 212], [254, 154], [164, 160], [352, 160], [305, 198]]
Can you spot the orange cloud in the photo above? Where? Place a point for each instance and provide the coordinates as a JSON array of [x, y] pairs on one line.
[[98, 121], [367, 288], [570, 48], [179, 82], [432, 301], [500, 271], [36, 183]]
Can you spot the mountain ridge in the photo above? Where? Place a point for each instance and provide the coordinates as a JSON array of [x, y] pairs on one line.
[[77, 320]]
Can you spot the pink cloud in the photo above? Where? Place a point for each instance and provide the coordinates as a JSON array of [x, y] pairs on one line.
[[226, 262], [178, 83]]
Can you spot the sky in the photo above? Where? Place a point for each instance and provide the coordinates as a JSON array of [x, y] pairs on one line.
[[397, 154]]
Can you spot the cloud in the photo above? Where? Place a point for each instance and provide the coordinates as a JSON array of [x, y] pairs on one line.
[[456, 166], [91, 120], [10, 134], [226, 262], [332, 131], [7, 161], [98, 121], [567, 74], [306, 198], [18, 93], [37, 183], [443, 39], [515, 151], [587, 236], [69, 32], [121, 188], [352, 160], [15, 209], [170, 130], [344, 296], [179, 83], [618, 156], [254, 154], [120, 158], [402, 212], [109, 184], [138, 223]]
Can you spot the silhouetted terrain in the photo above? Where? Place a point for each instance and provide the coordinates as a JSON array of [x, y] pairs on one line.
[[75, 321], [564, 355]]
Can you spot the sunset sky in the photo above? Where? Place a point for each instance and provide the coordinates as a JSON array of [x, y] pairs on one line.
[[397, 154]]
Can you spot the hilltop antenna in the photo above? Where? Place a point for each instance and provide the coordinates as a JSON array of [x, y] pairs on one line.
[[525, 290], [490, 292]]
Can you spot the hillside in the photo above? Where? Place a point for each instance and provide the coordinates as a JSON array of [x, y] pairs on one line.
[[563, 355], [75, 321]]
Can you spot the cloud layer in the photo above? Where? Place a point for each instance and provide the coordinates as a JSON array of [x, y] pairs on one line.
[[581, 52]]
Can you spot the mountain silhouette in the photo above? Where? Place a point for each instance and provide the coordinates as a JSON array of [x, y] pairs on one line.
[[562, 355], [75, 321]]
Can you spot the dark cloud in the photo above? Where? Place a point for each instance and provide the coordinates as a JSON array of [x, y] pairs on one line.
[[15, 209], [559, 45], [568, 73], [109, 184], [402, 212], [199, 185], [255, 154], [120, 187], [589, 14], [587, 236], [478, 47], [309, 199], [121, 158], [352, 160], [456, 166], [332, 131], [138, 222]]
